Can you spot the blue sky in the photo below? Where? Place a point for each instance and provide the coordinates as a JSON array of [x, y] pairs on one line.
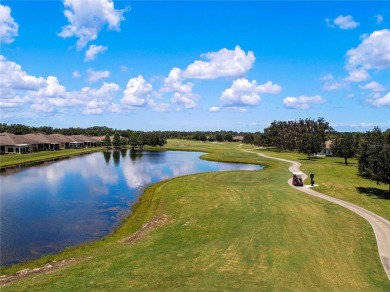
[[182, 65]]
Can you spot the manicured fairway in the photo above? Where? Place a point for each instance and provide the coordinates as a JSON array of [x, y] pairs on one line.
[[230, 231]]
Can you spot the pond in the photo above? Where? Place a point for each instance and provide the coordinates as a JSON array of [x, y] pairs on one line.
[[48, 207]]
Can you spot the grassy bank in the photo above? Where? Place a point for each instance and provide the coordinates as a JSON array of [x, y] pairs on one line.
[[236, 230], [10, 160]]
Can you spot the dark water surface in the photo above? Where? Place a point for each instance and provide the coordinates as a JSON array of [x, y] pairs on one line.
[[49, 207]]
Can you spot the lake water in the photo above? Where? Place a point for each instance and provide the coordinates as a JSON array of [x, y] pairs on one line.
[[48, 207]]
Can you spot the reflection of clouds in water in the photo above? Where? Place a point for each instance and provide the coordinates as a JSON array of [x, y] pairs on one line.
[[137, 174], [51, 175], [183, 168]]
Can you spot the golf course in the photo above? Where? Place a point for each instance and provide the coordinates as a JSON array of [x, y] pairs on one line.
[[229, 231]]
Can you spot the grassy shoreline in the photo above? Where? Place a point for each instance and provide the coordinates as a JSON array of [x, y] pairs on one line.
[[233, 230], [15, 160]]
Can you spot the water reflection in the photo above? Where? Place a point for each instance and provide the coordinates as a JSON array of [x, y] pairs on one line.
[[51, 206]]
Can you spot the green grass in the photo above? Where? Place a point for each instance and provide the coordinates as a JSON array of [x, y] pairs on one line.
[[17, 159], [342, 181], [227, 231]]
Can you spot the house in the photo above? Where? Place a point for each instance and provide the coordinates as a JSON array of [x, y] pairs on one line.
[[238, 138], [42, 142], [327, 151], [19, 144], [62, 140], [83, 141], [16, 144]]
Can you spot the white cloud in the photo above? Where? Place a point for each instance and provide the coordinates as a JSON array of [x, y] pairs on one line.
[[174, 82], [76, 74], [380, 101], [48, 96], [245, 93], [159, 107], [182, 92], [92, 51], [137, 92], [185, 99], [372, 53], [373, 86], [87, 17], [215, 109], [358, 75], [94, 100], [8, 26], [342, 22], [379, 19], [302, 102], [12, 76], [224, 63], [94, 76], [52, 88]]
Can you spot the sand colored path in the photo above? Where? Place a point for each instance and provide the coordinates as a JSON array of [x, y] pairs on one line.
[[380, 225]]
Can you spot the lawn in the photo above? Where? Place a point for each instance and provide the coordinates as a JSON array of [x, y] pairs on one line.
[[342, 181], [226, 231]]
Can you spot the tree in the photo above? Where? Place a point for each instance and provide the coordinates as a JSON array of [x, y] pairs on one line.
[[107, 141], [116, 141], [374, 156], [311, 144], [123, 142], [345, 146], [219, 137]]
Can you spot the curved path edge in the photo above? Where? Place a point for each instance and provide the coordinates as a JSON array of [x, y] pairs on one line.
[[380, 225]]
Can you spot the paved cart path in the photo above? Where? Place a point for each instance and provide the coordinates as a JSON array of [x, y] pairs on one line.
[[380, 225]]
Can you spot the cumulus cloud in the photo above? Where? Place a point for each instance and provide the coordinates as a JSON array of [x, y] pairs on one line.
[[182, 91], [245, 93], [224, 63], [379, 101], [372, 53], [185, 99], [8, 26], [48, 95], [342, 22], [174, 82], [94, 100], [92, 51], [12, 76], [137, 92], [94, 76], [302, 102], [86, 19]]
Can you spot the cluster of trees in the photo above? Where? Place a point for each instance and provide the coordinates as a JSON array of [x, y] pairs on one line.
[[372, 149], [135, 139], [305, 135]]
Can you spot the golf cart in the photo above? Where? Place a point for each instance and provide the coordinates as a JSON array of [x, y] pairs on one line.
[[297, 179]]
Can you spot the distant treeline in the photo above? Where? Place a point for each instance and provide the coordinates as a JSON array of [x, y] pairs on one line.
[[97, 131]]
